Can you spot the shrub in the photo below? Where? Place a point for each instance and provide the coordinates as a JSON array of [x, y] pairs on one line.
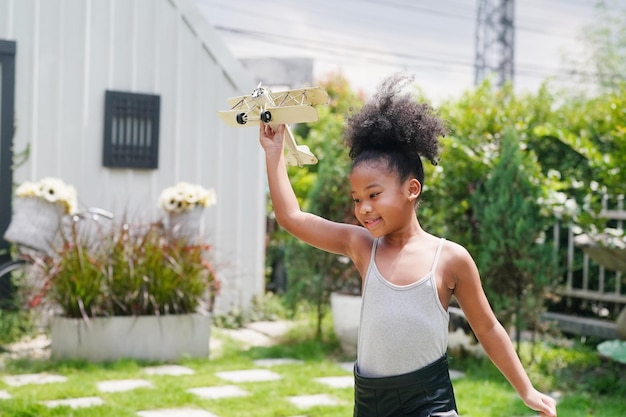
[[129, 270]]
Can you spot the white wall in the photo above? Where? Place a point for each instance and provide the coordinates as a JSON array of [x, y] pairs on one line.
[[70, 51]]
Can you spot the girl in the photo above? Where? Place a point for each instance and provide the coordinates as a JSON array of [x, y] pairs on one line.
[[409, 275]]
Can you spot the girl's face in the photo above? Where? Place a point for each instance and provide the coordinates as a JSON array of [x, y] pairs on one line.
[[381, 202]]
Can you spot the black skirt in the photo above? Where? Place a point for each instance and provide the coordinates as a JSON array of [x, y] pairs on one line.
[[423, 393]]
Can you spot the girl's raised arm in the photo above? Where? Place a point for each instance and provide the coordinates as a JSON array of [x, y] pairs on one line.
[[324, 234]]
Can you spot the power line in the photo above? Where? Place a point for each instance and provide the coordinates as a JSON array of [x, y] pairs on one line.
[[347, 53], [468, 17], [327, 46], [348, 48]]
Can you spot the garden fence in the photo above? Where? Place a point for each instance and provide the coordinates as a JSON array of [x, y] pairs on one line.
[[590, 292]]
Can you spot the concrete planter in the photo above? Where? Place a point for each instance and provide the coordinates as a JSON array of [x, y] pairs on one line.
[[151, 338], [346, 310]]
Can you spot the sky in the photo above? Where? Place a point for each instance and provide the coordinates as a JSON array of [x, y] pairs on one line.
[[367, 40]]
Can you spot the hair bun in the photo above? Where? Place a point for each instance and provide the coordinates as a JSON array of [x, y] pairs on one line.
[[391, 121]]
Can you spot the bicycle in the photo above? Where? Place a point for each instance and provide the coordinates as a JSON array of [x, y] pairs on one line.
[[28, 253]]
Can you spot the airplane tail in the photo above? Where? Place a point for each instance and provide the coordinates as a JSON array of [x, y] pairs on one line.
[[303, 156], [297, 155]]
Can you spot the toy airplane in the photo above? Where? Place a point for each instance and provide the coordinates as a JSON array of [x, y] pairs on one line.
[[284, 107]]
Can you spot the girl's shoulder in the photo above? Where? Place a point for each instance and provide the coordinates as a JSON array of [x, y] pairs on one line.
[[456, 265], [456, 254]]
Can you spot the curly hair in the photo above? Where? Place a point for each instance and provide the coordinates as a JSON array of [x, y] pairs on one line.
[[393, 127]]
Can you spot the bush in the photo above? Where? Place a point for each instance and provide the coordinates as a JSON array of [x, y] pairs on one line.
[[131, 270], [14, 325]]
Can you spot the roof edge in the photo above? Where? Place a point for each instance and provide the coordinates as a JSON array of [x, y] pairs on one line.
[[214, 44]]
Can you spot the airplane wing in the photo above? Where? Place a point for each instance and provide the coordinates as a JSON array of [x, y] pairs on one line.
[[235, 118], [239, 102], [285, 107], [312, 96], [293, 114], [274, 115]]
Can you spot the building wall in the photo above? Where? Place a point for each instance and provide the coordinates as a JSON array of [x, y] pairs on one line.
[[70, 51]]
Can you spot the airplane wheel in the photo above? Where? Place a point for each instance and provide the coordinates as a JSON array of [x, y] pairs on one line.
[[240, 119], [266, 116]]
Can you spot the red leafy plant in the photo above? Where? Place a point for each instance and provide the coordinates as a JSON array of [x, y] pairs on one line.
[[128, 270]]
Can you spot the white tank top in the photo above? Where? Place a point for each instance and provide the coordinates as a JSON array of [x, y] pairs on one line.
[[403, 327]]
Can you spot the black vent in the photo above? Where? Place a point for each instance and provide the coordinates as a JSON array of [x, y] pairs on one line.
[[131, 130]]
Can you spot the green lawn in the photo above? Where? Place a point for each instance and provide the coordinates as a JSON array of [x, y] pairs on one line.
[[588, 386]]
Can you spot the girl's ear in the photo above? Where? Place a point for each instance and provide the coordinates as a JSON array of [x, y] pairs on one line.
[[414, 189]]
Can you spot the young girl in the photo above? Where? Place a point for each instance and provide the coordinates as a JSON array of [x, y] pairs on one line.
[[409, 275]]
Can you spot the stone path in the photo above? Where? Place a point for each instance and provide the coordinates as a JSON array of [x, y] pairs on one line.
[[258, 334], [211, 392]]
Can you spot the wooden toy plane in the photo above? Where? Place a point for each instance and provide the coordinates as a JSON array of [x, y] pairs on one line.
[[284, 107]]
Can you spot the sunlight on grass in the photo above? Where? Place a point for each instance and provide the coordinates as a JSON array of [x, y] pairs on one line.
[[589, 386]]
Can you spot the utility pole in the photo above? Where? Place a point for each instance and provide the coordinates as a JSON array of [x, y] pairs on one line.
[[495, 41]]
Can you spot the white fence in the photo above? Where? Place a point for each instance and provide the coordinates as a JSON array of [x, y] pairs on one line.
[[596, 282], [587, 285]]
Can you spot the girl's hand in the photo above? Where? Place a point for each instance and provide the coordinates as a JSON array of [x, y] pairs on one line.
[[272, 140], [546, 406]]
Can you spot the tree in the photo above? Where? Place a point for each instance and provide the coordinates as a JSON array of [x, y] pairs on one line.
[[603, 61], [516, 269], [311, 273], [477, 123]]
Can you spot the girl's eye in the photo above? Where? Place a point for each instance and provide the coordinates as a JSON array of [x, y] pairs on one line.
[[374, 195], [356, 200]]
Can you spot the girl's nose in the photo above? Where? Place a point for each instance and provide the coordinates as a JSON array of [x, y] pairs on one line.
[[365, 208]]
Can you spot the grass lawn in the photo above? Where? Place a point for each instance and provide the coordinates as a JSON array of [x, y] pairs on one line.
[[588, 386]]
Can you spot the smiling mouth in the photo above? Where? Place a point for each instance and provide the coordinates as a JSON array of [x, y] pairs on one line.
[[369, 223]]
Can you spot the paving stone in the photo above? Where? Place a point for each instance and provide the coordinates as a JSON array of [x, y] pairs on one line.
[[222, 391], [25, 379], [277, 361], [347, 366], [75, 402], [248, 337], [249, 375], [456, 374], [4, 395], [175, 412], [337, 381], [119, 385], [272, 329], [307, 401], [35, 347], [174, 370]]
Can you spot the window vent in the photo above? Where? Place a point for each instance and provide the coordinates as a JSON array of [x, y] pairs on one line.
[[131, 130]]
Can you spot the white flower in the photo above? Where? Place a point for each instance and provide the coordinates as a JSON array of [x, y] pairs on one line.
[[554, 174], [27, 189], [208, 198], [168, 199], [53, 190], [184, 196], [571, 207]]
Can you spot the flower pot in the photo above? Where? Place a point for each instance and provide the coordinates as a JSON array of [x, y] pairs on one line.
[[346, 311], [187, 225], [35, 223], [597, 247], [151, 338]]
